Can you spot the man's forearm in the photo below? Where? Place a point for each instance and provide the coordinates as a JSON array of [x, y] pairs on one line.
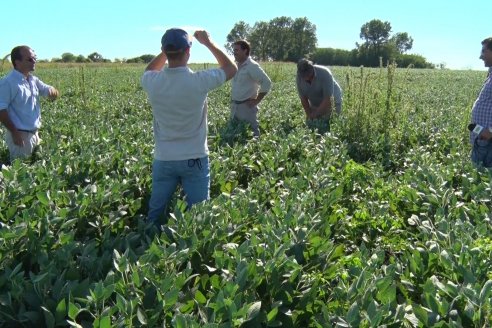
[[157, 63], [6, 121], [305, 104], [324, 108], [223, 60], [260, 97]]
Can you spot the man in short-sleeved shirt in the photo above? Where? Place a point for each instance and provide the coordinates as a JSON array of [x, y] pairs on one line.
[[178, 97], [316, 86], [481, 137], [20, 110], [249, 86]]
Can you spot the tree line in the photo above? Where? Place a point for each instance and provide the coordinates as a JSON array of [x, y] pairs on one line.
[[287, 39], [95, 57]]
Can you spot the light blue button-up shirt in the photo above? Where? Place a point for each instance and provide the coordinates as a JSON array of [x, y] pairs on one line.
[[19, 96]]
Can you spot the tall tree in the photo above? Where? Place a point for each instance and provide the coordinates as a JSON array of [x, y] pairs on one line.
[[95, 57], [303, 39], [379, 44], [259, 40], [240, 31], [402, 41], [375, 33], [282, 38], [68, 57]]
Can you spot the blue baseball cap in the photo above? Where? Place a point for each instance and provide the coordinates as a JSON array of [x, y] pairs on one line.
[[175, 40]]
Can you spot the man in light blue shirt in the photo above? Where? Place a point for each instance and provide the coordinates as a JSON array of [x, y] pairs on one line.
[[20, 110]]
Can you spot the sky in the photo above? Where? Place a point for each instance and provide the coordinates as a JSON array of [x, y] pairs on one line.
[[445, 32]]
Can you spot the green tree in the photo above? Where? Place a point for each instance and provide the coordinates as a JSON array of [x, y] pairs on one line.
[[303, 39], [81, 59], [68, 57], [375, 33], [259, 39], [379, 45], [331, 56], [280, 39], [402, 41], [240, 31], [95, 57]]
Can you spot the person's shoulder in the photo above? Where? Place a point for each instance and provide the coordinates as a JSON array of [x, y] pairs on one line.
[[12, 77], [322, 70], [252, 62]]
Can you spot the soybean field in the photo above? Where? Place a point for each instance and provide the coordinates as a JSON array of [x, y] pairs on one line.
[[383, 221]]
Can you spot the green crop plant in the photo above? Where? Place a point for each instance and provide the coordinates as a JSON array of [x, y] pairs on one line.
[[381, 222]]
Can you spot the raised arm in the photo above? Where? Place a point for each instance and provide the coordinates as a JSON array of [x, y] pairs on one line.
[[157, 63], [223, 60]]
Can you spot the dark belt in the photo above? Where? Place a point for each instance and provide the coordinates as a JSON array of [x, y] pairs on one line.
[[28, 131], [237, 102]]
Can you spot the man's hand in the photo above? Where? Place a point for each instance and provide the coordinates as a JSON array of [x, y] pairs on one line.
[[252, 102], [202, 36], [486, 134], [53, 94], [17, 138]]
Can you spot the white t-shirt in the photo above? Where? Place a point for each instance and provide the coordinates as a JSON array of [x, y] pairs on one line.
[[178, 97]]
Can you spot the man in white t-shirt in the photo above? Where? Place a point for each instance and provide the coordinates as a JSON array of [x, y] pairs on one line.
[[249, 86], [178, 97]]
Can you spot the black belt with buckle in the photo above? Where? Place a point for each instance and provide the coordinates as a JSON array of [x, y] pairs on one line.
[[237, 102], [28, 131]]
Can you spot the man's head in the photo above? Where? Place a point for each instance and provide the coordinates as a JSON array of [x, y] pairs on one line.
[[241, 49], [175, 43], [24, 59], [305, 70], [486, 54]]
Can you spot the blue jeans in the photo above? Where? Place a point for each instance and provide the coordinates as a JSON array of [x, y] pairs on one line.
[[192, 174], [481, 153]]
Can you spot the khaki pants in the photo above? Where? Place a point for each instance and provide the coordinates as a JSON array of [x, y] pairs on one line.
[[248, 114], [31, 140]]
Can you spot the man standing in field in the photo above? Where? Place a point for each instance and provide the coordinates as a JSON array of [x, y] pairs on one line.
[[249, 86], [20, 110], [178, 97], [316, 87], [481, 135]]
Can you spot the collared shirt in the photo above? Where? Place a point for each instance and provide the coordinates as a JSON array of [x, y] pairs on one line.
[[178, 97], [482, 108], [249, 80], [323, 85], [20, 97]]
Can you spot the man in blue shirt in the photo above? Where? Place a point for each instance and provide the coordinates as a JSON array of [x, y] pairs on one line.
[[481, 135], [20, 110]]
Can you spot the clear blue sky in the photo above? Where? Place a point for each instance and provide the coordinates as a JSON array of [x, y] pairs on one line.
[[444, 31]]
